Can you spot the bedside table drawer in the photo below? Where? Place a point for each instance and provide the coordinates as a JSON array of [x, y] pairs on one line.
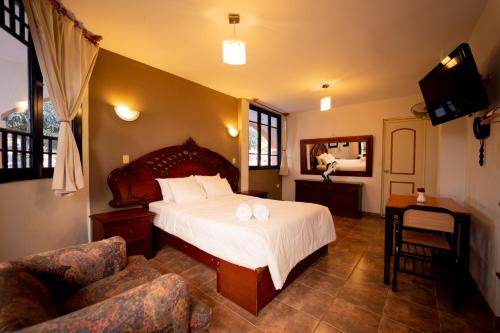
[[130, 231]]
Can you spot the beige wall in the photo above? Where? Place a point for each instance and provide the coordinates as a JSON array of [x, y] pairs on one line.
[[172, 109], [266, 180], [33, 219], [357, 119], [482, 185]]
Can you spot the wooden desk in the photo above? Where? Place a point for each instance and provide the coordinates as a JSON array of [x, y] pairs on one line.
[[394, 208]]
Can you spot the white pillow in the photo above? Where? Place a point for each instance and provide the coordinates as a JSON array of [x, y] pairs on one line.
[[217, 187], [328, 158], [200, 179], [185, 190], [166, 193]]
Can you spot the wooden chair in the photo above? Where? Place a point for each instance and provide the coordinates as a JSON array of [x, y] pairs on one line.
[[423, 233]]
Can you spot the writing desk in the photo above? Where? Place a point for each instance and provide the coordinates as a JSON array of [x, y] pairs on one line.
[[393, 210]]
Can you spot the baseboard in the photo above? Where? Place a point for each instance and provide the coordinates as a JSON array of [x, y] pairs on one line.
[[370, 214]]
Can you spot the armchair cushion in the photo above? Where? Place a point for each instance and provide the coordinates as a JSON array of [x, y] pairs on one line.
[[77, 266], [24, 300], [159, 306], [201, 316], [136, 273]]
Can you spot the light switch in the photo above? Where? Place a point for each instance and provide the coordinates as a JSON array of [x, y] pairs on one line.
[[278, 185], [125, 159], [234, 160]]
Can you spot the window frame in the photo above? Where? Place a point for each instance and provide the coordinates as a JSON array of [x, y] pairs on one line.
[[270, 114], [35, 97]]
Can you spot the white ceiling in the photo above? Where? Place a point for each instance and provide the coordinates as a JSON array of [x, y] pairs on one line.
[[370, 49]]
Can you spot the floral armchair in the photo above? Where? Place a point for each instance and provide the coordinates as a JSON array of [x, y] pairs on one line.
[[95, 287]]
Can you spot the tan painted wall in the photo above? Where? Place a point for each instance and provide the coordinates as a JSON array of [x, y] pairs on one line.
[[172, 109], [32, 219], [266, 180], [357, 119], [482, 186]]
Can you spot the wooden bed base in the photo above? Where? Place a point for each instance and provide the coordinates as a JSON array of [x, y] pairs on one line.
[[251, 289]]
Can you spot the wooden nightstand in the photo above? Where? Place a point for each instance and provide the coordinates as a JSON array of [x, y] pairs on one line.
[[134, 225], [254, 193]]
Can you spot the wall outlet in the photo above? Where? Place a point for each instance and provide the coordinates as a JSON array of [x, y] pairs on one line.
[[277, 185], [125, 159]]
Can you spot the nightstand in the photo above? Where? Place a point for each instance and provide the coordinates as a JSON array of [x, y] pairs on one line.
[[134, 225], [254, 193]]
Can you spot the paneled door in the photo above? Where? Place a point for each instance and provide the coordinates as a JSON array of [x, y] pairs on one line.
[[404, 157]]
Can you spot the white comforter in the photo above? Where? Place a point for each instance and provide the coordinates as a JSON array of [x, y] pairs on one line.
[[293, 231]]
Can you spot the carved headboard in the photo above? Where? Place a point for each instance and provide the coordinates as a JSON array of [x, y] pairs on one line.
[[316, 150], [135, 183]]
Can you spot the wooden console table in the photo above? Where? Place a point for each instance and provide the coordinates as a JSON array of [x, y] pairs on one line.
[[393, 210]]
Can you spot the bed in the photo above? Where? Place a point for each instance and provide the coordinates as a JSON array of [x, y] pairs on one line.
[[254, 260]]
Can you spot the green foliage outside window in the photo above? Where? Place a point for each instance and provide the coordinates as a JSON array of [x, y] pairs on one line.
[[20, 121]]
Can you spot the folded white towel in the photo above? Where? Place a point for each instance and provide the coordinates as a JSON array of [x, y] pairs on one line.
[[244, 212], [260, 211]]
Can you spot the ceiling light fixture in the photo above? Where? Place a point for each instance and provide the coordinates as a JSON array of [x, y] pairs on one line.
[[326, 102], [233, 50]]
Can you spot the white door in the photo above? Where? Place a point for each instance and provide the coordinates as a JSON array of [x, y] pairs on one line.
[[404, 157]]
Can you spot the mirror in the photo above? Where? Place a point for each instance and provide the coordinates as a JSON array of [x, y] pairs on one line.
[[353, 155]]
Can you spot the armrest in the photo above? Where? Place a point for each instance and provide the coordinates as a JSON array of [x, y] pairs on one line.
[[78, 266], [157, 306]]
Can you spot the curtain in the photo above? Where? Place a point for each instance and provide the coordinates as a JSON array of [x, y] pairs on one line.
[[66, 53], [284, 143]]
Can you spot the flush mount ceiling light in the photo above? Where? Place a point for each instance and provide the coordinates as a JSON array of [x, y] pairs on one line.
[[233, 50], [326, 102]]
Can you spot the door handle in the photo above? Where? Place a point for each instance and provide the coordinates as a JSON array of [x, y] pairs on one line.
[[386, 171]]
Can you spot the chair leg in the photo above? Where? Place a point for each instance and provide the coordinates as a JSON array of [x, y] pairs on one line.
[[455, 284], [396, 267]]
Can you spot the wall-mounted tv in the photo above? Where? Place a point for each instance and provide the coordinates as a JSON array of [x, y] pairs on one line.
[[454, 87]]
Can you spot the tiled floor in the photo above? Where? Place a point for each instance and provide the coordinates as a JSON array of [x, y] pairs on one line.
[[341, 292]]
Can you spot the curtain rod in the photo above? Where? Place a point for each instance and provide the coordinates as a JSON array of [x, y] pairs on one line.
[[267, 107]]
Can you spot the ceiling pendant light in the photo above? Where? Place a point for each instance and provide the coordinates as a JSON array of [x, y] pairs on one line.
[[233, 50], [326, 102]]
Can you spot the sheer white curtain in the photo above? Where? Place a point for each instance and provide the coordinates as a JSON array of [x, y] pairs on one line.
[[66, 53], [284, 144]]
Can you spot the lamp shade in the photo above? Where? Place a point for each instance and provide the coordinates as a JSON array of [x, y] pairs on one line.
[[233, 52], [326, 103], [125, 113]]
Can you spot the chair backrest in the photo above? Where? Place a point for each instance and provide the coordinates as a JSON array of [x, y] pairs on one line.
[[429, 218]]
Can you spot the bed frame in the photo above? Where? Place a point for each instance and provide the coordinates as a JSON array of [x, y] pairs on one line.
[[135, 185]]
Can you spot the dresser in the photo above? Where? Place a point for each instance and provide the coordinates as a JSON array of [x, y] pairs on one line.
[[134, 225], [342, 198]]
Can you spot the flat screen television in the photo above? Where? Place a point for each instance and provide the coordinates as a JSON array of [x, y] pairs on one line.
[[454, 87]]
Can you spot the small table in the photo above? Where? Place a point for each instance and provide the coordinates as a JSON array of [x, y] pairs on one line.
[[394, 208], [254, 193]]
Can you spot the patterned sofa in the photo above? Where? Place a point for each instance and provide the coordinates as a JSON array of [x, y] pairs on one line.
[[95, 287]]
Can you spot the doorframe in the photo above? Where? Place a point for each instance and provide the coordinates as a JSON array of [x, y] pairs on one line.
[[384, 125]]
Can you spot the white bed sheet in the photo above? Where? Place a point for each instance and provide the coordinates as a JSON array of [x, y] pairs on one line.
[[293, 231]]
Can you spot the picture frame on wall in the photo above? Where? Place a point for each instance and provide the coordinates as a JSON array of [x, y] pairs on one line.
[[333, 145]]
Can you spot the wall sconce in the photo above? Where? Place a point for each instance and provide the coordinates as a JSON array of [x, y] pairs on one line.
[[232, 131], [126, 113], [22, 106]]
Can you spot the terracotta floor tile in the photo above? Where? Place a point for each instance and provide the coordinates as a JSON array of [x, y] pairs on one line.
[[372, 279], [278, 317], [210, 289], [364, 296], [321, 281], [351, 318], [369, 263], [306, 299], [390, 326], [413, 315], [324, 327], [416, 294], [199, 274], [452, 324], [226, 321], [334, 268]]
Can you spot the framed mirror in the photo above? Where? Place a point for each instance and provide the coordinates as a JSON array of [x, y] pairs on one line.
[[353, 154]]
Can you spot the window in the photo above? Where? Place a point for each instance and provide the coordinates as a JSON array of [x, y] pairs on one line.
[[28, 123], [264, 139]]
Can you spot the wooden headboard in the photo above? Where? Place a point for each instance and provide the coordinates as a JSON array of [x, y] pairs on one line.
[[135, 183], [317, 149]]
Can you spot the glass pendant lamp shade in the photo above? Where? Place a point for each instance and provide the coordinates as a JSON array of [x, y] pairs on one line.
[[233, 52], [326, 103]]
